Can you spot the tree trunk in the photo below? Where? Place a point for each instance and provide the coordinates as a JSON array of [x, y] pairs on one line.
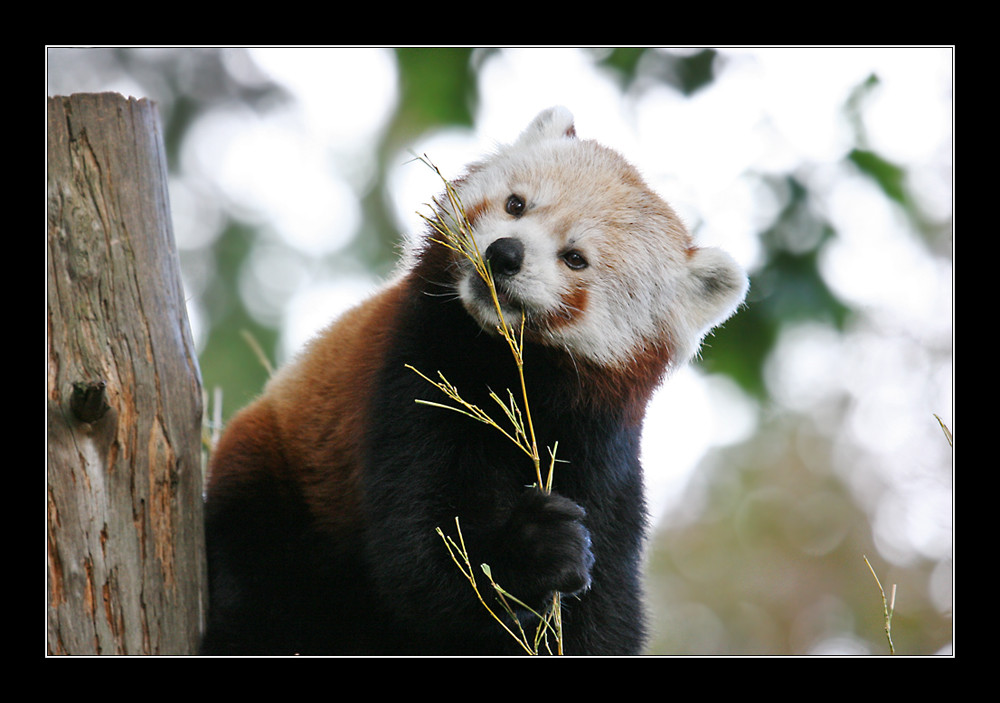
[[125, 535]]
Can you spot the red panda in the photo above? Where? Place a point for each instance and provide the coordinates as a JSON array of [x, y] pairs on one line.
[[324, 494]]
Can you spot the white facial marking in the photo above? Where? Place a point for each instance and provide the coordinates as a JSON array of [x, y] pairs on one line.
[[606, 269]]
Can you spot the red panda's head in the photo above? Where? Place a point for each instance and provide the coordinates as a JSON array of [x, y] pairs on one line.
[[599, 264]]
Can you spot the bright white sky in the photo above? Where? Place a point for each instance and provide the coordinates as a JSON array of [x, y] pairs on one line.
[[299, 171]]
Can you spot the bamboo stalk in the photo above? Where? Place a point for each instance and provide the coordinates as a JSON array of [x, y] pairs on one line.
[[457, 236]]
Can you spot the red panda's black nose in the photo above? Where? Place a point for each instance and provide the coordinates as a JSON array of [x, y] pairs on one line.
[[505, 256]]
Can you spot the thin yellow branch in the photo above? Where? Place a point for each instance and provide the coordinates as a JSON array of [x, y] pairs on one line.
[[455, 231], [887, 608], [947, 432], [465, 566]]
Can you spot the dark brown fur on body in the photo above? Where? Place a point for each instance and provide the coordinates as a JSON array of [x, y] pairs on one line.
[[310, 434], [325, 493]]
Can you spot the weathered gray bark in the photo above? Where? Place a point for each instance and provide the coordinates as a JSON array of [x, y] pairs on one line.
[[125, 535]]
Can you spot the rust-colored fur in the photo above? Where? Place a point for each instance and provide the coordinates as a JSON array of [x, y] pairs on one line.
[[314, 411], [325, 493]]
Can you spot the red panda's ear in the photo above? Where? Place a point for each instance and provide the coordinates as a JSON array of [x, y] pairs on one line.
[[552, 123], [712, 290]]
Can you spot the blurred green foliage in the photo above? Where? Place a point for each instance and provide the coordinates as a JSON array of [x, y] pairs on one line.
[[438, 88]]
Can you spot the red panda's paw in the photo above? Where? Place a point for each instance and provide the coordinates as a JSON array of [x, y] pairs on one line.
[[551, 542]]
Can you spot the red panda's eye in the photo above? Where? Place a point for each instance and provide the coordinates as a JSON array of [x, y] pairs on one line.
[[515, 205], [575, 260]]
